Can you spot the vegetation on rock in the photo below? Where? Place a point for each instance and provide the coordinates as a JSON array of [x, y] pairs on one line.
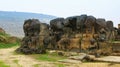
[[7, 41]]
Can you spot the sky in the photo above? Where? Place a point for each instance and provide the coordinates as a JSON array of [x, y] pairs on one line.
[[108, 9]]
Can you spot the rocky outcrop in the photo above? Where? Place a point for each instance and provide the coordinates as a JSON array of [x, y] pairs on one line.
[[76, 33], [31, 42]]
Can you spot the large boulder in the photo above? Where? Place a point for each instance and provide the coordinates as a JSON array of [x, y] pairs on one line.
[[100, 23], [71, 22], [90, 21], [31, 27], [30, 43], [57, 24], [80, 24], [109, 25]]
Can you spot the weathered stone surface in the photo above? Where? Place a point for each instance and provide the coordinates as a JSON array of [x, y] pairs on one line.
[[113, 59], [115, 54], [61, 53], [70, 61], [83, 57], [51, 51], [31, 42], [68, 54], [89, 58], [116, 46], [80, 57]]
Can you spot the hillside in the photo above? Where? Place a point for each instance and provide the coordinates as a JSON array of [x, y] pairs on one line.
[[12, 22]]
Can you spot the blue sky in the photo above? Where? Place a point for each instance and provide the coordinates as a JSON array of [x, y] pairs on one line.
[[108, 9]]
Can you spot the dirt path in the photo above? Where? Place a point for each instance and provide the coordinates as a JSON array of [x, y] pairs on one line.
[[16, 60], [8, 56]]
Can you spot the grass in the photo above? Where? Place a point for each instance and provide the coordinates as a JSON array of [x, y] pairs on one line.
[[48, 57], [2, 64], [16, 61], [60, 65], [16, 53], [8, 45], [36, 65]]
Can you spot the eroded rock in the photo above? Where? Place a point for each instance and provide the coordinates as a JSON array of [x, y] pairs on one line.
[[31, 42]]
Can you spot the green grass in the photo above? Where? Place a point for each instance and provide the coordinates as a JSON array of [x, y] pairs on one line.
[[36, 65], [16, 53], [54, 57], [2, 64], [8, 45], [60, 65], [16, 61], [48, 57]]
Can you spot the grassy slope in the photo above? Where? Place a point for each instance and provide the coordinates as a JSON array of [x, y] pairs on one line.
[[4, 41]]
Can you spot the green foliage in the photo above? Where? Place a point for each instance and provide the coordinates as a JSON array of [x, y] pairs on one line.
[[2, 64], [46, 58], [49, 57], [9, 45]]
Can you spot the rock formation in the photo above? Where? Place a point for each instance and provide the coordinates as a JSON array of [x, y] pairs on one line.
[[76, 33], [31, 42]]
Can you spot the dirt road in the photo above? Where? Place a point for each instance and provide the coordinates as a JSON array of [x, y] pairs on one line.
[[14, 60]]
